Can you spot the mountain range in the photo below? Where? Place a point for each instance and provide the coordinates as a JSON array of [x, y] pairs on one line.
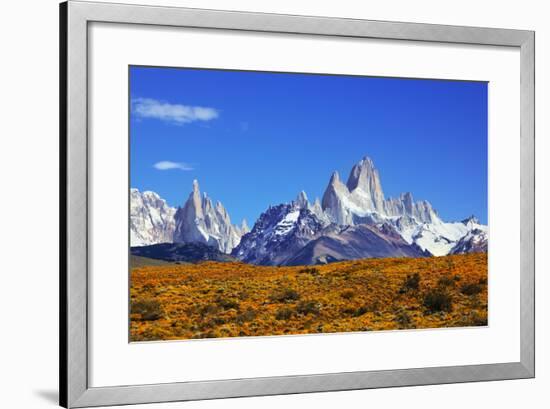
[[353, 220], [152, 221]]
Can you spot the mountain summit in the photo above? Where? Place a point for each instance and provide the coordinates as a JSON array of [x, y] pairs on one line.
[[365, 180], [152, 221], [353, 220], [200, 221], [362, 200]]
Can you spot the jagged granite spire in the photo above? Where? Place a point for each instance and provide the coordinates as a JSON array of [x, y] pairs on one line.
[[334, 201], [244, 227], [365, 179], [362, 200], [301, 200], [200, 221]]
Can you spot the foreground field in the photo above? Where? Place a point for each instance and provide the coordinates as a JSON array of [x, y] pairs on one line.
[[210, 300]]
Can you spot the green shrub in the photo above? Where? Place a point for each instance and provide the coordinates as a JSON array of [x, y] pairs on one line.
[[310, 270], [446, 281], [149, 309], [285, 295], [284, 313], [208, 309], [227, 303], [438, 300], [246, 316], [411, 283], [471, 289], [212, 323], [472, 319], [404, 320], [308, 307], [361, 311]]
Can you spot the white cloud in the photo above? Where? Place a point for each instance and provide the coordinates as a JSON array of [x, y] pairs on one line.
[[167, 165], [172, 113]]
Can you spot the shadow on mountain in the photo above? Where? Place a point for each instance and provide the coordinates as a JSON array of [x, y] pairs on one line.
[[181, 252]]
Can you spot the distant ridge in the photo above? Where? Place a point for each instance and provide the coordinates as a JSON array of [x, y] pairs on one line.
[[181, 252], [353, 220]]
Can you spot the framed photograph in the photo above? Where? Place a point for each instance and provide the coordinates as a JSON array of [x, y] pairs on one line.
[[259, 204]]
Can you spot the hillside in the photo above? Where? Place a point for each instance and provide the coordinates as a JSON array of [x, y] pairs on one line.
[[212, 299], [138, 261]]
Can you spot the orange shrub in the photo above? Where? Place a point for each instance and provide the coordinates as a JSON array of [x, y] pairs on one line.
[[210, 299]]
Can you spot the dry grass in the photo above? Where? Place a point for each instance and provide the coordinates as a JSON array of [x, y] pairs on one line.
[[210, 300]]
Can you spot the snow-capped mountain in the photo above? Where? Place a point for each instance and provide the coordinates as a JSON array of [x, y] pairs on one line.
[[474, 241], [200, 221], [151, 219], [361, 201], [281, 231], [299, 233], [353, 220], [440, 238]]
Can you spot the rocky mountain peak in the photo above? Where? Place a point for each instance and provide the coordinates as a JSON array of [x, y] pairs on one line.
[[361, 173], [335, 178], [151, 219], [199, 221], [471, 220], [362, 200], [196, 187], [364, 177], [278, 233], [407, 199], [301, 200]]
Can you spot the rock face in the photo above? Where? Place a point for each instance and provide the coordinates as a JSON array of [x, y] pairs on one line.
[[151, 219], [279, 232], [362, 200], [364, 180], [476, 240], [301, 233], [422, 211], [355, 242], [200, 221]]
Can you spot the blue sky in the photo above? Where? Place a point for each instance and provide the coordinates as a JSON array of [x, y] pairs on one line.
[[253, 139]]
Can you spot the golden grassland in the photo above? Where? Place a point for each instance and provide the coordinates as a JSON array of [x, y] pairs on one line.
[[211, 299]]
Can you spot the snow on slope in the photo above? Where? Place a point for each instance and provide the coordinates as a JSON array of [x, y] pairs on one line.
[[151, 219], [361, 201]]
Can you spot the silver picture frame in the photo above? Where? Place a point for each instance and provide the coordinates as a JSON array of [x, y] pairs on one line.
[[75, 17]]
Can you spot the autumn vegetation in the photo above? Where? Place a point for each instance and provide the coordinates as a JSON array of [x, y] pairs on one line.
[[213, 299]]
